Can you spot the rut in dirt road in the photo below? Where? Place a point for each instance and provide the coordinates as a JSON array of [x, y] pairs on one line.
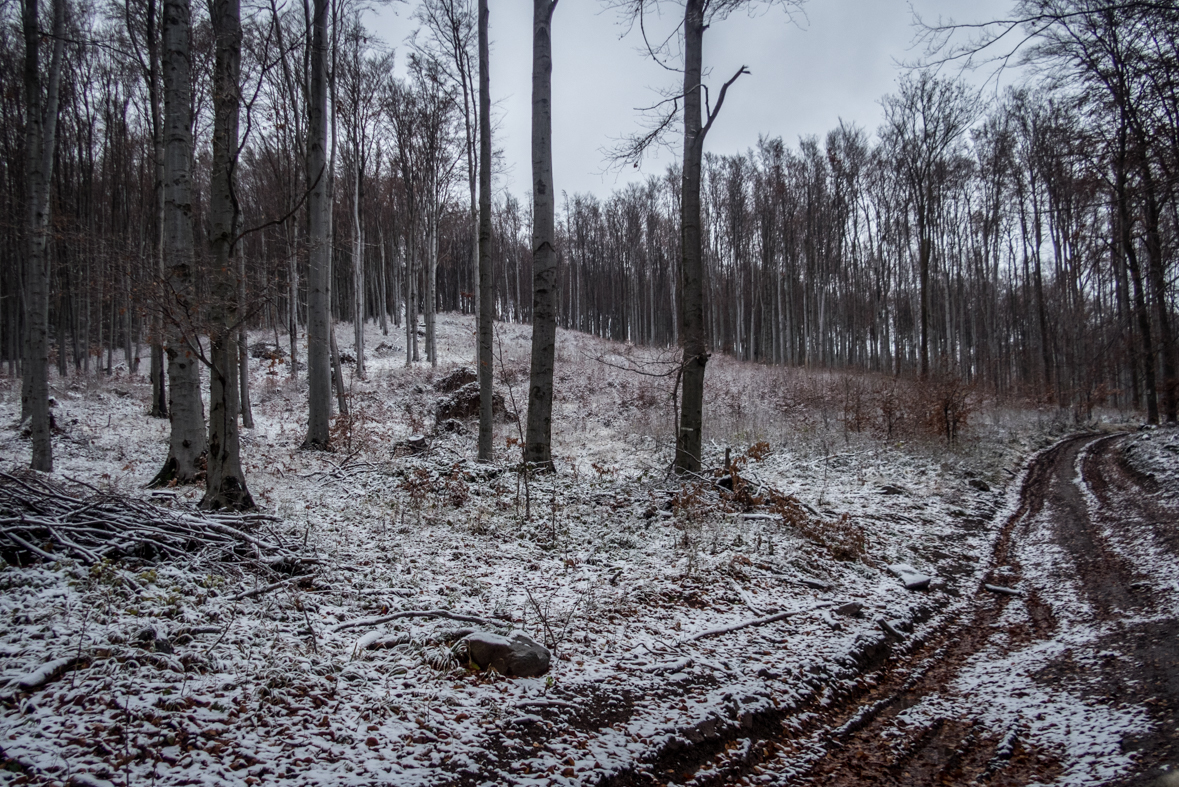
[[1075, 680]]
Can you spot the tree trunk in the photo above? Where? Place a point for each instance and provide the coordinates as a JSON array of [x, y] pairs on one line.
[[486, 284], [319, 377], [431, 297], [538, 440], [225, 483], [1156, 268], [40, 141], [187, 444], [243, 340], [358, 272], [293, 302], [695, 350], [159, 390], [337, 372], [382, 298]]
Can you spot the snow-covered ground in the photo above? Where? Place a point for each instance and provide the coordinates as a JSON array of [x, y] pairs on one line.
[[636, 582]]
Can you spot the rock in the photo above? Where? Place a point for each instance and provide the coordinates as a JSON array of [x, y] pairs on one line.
[[1003, 591], [980, 485], [891, 489], [889, 629], [455, 380], [814, 584], [516, 656], [849, 610], [910, 577]]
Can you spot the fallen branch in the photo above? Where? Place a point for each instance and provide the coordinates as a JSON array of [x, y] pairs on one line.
[[413, 613], [748, 623], [544, 704], [264, 589], [47, 672], [41, 521]]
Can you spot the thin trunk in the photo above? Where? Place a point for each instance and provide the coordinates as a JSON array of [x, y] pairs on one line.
[[382, 300], [430, 300], [486, 284], [243, 352], [358, 274], [338, 372]]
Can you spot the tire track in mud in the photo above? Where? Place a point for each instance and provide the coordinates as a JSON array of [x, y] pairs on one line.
[[865, 737]]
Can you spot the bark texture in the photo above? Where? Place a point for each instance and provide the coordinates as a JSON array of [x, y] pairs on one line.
[[486, 284], [40, 141], [692, 326], [225, 483], [319, 376], [538, 439], [187, 443]]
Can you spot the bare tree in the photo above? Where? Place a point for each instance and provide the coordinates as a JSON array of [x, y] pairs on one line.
[[698, 117], [924, 120], [486, 315], [452, 26], [40, 143], [187, 444], [225, 483], [538, 440], [319, 375], [143, 31]]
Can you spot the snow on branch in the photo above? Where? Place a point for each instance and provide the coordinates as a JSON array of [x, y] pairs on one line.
[[40, 520]]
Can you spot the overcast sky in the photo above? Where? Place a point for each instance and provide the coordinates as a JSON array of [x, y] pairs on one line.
[[835, 61]]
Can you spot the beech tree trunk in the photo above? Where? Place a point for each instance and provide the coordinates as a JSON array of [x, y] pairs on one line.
[[538, 439], [486, 284], [695, 350], [358, 270], [187, 444], [243, 353], [225, 483], [319, 376], [40, 141]]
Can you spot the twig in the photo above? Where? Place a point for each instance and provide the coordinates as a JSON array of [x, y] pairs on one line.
[[265, 589], [412, 613], [747, 623]]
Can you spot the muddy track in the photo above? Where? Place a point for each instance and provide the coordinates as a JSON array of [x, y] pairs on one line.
[[919, 716]]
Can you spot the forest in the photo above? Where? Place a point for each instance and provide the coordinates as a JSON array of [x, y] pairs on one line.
[[310, 420]]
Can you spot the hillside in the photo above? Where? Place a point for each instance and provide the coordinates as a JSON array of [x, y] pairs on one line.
[[678, 614]]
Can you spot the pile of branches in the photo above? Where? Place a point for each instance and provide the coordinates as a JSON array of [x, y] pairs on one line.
[[42, 521]]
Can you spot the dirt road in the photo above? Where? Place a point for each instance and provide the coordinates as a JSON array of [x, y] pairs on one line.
[[1066, 672]]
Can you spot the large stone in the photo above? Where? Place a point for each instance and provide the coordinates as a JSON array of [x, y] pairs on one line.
[[516, 655]]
